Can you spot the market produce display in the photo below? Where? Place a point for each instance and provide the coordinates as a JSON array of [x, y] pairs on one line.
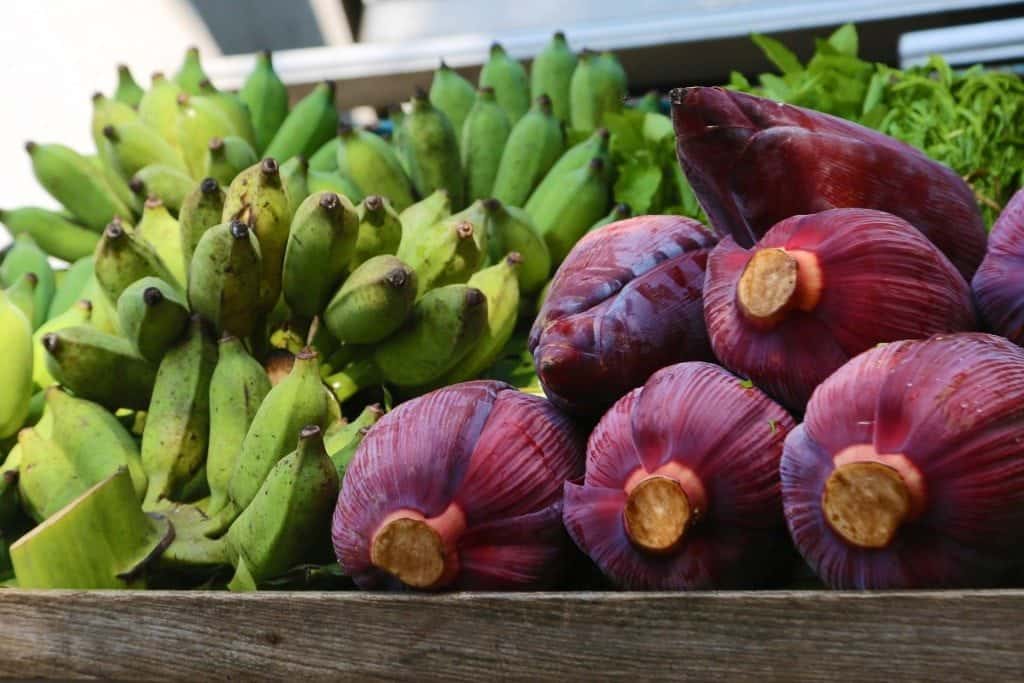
[[442, 353]]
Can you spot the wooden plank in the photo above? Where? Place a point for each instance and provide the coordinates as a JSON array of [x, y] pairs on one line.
[[783, 635]]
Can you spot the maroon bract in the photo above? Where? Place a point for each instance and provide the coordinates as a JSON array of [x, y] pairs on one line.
[[625, 302], [754, 162], [999, 283], [908, 471], [682, 484], [460, 488], [819, 289]]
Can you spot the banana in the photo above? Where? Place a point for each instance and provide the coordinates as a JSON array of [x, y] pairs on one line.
[[167, 183], [158, 109], [289, 517], [137, 146], [257, 197], [224, 280], [619, 212], [200, 211], [452, 94], [106, 112], [445, 253], [159, 229], [373, 166], [309, 125], [22, 293], [534, 145], [326, 157], [15, 366], [237, 388], [551, 75], [510, 229], [190, 73], [295, 173], [116, 183], [373, 302], [152, 316], [104, 311], [484, 135], [79, 314], [333, 181], [128, 91], [430, 148], [178, 421], [297, 401], [508, 78], [99, 367], [610, 64], [47, 480], [267, 99], [199, 122], [564, 217], [25, 256], [227, 157], [575, 158], [321, 244], [596, 89], [341, 440], [73, 181], [71, 289], [93, 439], [395, 121], [232, 108], [650, 102], [433, 208], [380, 230]]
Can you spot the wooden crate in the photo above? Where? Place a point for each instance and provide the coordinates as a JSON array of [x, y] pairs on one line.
[[770, 635]]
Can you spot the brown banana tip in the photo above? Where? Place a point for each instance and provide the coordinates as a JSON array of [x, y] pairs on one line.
[[345, 129], [514, 258], [486, 90], [269, 166], [109, 132], [597, 164], [157, 76], [302, 161], [32, 278], [420, 93], [151, 296], [496, 47], [239, 230], [30, 146], [543, 100], [309, 432], [559, 35], [307, 353], [85, 304], [97, 96], [51, 342], [182, 98], [114, 229], [374, 202], [330, 201], [623, 209], [603, 133], [153, 202], [192, 51], [216, 144], [206, 83], [267, 54], [227, 338], [443, 66], [474, 297], [376, 409], [397, 278], [209, 186], [136, 185], [331, 87], [10, 477], [464, 229], [492, 204], [122, 68]]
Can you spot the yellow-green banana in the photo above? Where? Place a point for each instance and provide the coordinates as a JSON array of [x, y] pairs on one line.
[[178, 421], [137, 146], [308, 125], [227, 157], [15, 367], [190, 73], [22, 293], [484, 134], [534, 145], [159, 108], [167, 183], [47, 479], [333, 181], [295, 174], [104, 311], [200, 211], [72, 287], [380, 230], [510, 229], [564, 217], [445, 253], [342, 439], [373, 166], [79, 314], [433, 208], [266, 96], [650, 102], [619, 212], [508, 78], [107, 111], [575, 158], [596, 89], [152, 316], [128, 91], [233, 109], [373, 302], [321, 244], [551, 74], [25, 256], [160, 230], [431, 149], [325, 158], [54, 233], [224, 280], [199, 122], [452, 94]]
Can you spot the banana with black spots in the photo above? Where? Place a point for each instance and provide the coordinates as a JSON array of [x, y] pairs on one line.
[[201, 210], [224, 278], [374, 301], [431, 149], [380, 230], [152, 316]]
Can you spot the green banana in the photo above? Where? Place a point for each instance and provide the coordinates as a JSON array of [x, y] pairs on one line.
[[484, 135], [227, 157], [237, 388], [290, 515], [267, 99], [333, 181], [342, 439], [104, 311], [374, 301], [510, 229], [73, 181], [575, 158], [54, 233], [137, 146], [445, 253], [257, 197], [433, 208], [373, 166], [199, 122], [610, 64], [178, 421], [396, 119], [107, 111], [15, 366], [563, 218], [508, 78], [25, 256], [72, 288], [158, 109], [22, 293], [47, 480], [99, 367], [190, 73], [167, 183], [152, 316], [309, 125], [596, 89], [200, 211], [79, 314], [326, 157], [430, 148], [159, 229], [296, 401], [551, 75], [128, 91], [650, 102], [295, 173], [533, 146], [232, 108], [619, 212], [224, 280], [452, 94], [380, 230], [321, 244], [93, 439]]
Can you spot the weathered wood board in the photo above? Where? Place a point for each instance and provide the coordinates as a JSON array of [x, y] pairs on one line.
[[771, 635]]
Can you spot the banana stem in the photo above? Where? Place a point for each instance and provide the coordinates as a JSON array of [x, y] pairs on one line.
[[357, 375]]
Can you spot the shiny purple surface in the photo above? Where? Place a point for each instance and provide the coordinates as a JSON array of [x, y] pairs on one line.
[[999, 283]]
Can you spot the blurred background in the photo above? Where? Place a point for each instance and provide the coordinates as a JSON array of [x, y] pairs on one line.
[[55, 53]]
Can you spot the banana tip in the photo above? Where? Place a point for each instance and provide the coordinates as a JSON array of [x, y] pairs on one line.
[[136, 185], [51, 342], [151, 296], [374, 202], [216, 144], [474, 297], [309, 432], [30, 146], [209, 186], [330, 201], [269, 166], [239, 230], [153, 202]]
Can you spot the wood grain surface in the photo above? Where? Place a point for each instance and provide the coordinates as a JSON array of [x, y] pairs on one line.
[[771, 635]]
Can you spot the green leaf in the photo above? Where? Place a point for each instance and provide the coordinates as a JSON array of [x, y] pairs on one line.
[[738, 81], [844, 40], [626, 130], [778, 54], [746, 384], [637, 184]]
